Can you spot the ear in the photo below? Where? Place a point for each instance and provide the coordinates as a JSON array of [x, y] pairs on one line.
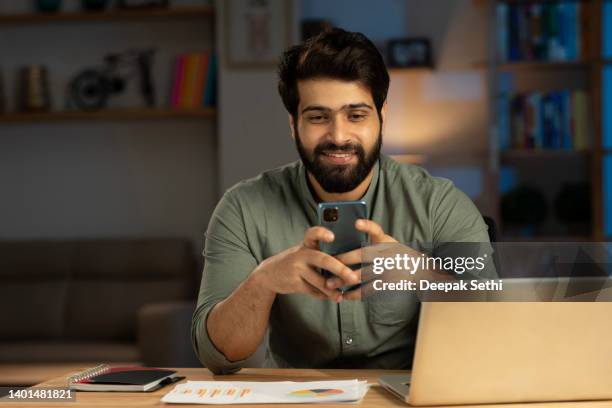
[[383, 112], [383, 116], [291, 126]]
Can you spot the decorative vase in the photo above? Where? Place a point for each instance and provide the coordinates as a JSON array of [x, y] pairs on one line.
[[33, 89]]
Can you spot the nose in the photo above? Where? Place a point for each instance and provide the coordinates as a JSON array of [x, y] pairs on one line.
[[339, 131]]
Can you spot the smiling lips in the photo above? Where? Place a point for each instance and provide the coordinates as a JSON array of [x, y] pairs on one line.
[[338, 157]]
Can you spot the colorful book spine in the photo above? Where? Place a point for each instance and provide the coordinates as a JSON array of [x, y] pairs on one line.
[[191, 73], [580, 120], [210, 91], [539, 31], [502, 31], [503, 114], [554, 120], [567, 141], [514, 50], [202, 70], [179, 71], [194, 83]]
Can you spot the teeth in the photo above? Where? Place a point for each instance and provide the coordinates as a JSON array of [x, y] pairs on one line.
[[339, 155]]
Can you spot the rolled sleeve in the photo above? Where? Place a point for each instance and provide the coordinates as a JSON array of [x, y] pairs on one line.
[[227, 262], [208, 354]]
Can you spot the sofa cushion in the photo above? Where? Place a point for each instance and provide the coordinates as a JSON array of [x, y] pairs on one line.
[[33, 291], [107, 310], [88, 289], [23, 260], [133, 259], [32, 310]]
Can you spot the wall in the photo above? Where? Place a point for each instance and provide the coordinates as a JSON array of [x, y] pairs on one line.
[[149, 178], [254, 133]]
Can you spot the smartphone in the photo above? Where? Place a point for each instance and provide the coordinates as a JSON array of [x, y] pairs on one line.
[[339, 217]]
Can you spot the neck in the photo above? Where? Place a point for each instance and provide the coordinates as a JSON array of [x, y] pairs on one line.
[[353, 195]]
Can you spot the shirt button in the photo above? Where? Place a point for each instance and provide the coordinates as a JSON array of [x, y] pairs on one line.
[[348, 341]]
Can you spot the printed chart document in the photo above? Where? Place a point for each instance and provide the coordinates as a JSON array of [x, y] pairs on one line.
[[283, 392]]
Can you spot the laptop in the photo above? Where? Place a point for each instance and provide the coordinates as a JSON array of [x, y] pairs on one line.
[[508, 352]]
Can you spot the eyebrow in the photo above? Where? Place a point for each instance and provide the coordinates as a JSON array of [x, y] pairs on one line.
[[344, 107]]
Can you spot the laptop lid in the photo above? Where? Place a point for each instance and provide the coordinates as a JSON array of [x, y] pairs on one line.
[[499, 352]]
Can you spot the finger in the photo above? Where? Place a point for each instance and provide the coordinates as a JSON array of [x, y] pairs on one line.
[[312, 291], [351, 258], [352, 294], [374, 230], [315, 279], [315, 292], [321, 260], [336, 283], [315, 234]]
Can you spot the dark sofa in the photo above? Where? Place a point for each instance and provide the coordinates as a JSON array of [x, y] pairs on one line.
[[105, 300]]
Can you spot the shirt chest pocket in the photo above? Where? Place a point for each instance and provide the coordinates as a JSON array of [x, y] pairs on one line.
[[391, 307]]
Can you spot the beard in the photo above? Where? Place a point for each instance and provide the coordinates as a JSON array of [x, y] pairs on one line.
[[339, 178]]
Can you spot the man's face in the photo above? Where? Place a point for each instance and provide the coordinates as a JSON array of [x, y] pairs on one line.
[[338, 132]]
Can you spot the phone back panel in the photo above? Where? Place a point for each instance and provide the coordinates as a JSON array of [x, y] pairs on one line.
[[347, 237]]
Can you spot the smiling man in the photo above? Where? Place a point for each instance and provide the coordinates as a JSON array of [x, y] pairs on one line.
[[262, 245]]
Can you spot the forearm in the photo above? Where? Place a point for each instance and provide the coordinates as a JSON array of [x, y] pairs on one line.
[[237, 325]]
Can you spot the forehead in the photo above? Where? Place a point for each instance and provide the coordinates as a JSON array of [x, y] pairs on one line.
[[332, 93]]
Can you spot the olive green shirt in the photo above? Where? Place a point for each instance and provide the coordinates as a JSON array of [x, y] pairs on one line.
[[265, 215]]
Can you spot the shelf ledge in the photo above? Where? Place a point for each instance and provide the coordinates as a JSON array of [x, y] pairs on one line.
[[108, 114]]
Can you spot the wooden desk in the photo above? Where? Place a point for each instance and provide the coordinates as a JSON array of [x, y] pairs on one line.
[[376, 396], [30, 374]]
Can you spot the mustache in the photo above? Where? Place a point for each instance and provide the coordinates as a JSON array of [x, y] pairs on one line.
[[332, 147]]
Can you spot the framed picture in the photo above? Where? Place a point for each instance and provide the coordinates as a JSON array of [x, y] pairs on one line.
[[409, 53], [256, 32]]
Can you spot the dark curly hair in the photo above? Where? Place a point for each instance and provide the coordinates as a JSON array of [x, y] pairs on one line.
[[336, 54]]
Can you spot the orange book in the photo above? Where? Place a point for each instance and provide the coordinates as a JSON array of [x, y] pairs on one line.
[[189, 80], [200, 86]]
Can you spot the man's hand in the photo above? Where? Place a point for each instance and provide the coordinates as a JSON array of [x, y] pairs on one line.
[[295, 269], [377, 236]]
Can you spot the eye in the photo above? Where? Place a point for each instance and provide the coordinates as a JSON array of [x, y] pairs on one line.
[[317, 118], [357, 117]]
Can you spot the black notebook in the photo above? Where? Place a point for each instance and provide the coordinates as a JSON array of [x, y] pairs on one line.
[[105, 378]]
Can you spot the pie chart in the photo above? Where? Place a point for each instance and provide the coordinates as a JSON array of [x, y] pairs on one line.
[[316, 392]]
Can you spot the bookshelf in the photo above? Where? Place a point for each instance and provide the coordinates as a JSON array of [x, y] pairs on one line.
[[32, 19], [545, 168], [110, 115]]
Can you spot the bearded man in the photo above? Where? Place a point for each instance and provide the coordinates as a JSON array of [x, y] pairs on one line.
[[262, 257]]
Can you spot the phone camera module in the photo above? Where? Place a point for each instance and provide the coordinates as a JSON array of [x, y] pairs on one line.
[[330, 214]]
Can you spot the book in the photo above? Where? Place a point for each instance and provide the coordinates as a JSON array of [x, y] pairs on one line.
[[210, 89], [106, 378], [194, 83], [553, 120], [502, 32], [202, 71], [179, 77], [190, 80], [539, 31], [270, 392], [580, 120]]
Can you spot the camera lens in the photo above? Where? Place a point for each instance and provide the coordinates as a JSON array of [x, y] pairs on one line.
[[330, 214]]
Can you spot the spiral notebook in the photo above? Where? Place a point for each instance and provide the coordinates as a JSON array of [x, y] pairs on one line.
[[125, 379]]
